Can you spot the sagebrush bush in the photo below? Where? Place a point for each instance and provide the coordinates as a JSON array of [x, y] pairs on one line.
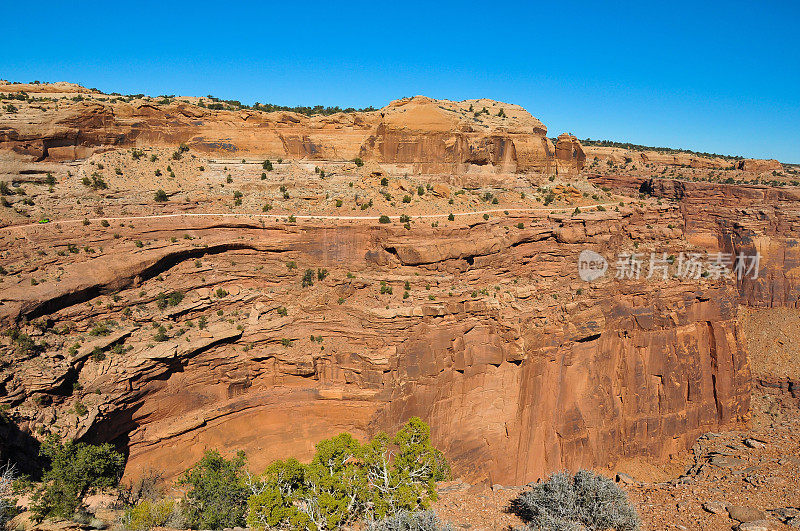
[[148, 514], [409, 521], [7, 502], [569, 503]]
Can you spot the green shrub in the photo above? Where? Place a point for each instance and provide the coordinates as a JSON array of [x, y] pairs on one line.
[[346, 481], [148, 514], [75, 469], [359, 163], [583, 501], [383, 219], [161, 196], [169, 299], [161, 334], [100, 329], [409, 521], [308, 278], [267, 165], [217, 494]]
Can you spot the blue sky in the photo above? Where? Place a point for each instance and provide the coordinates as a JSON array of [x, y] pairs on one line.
[[720, 77]]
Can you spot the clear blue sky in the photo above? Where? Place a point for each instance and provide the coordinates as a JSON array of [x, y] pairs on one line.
[[710, 76]]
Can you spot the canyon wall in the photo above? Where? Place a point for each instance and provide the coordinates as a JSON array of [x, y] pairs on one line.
[[736, 219], [519, 367], [426, 135]]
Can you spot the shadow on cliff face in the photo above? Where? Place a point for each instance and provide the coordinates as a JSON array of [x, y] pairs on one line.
[[115, 429], [19, 448]]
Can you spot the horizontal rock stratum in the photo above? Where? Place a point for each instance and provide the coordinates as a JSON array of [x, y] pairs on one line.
[[515, 383], [265, 309]]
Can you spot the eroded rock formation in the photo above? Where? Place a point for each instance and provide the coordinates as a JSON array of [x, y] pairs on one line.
[[169, 330], [519, 367]]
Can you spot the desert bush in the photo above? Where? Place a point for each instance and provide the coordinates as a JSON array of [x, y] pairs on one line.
[[75, 470], [217, 495], [148, 514], [169, 299], [7, 502], [267, 165], [161, 196], [583, 501], [346, 481], [95, 183], [384, 219], [100, 329], [161, 334], [409, 521]]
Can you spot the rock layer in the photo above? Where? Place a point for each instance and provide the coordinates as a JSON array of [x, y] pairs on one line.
[[519, 367]]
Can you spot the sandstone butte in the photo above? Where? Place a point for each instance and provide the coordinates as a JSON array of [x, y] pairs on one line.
[[519, 367]]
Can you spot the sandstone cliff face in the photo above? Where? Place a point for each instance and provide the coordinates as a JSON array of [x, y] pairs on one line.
[[619, 155], [435, 137], [570, 157], [759, 166], [736, 219], [426, 135], [520, 367], [517, 370]]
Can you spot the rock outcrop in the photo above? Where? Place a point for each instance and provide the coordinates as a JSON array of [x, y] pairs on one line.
[[570, 157], [519, 367], [219, 319], [759, 165], [423, 134], [737, 219]]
